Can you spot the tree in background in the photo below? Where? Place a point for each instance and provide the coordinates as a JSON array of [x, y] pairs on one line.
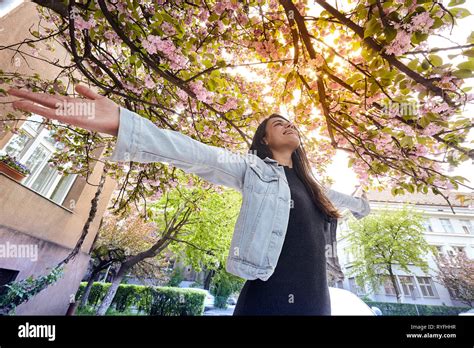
[[384, 241], [456, 273], [223, 285], [207, 240]]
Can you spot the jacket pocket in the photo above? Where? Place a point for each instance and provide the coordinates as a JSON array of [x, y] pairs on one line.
[[262, 182]]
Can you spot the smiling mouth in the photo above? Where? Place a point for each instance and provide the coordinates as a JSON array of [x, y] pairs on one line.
[[289, 131]]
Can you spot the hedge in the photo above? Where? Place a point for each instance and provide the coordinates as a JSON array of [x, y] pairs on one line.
[[391, 308], [151, 300]]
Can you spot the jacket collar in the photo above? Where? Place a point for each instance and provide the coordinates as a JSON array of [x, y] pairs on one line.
[[271, 160]]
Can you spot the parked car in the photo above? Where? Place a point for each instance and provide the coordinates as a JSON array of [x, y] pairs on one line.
[[469, 312], [208, 301], [344, 302], [232, 300]]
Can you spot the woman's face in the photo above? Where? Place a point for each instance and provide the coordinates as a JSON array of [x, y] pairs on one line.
[[281, 134]]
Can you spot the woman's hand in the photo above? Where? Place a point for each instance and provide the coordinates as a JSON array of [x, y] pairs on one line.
[[94, 112], [359, 192]]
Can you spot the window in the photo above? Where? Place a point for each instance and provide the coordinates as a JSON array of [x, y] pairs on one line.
[[33, 146], [467, 227], [439, 250], [427, 287], [8, 5], [348, 254], [6, 277], [356, 289], [427, 225], [458, 249], [447, 227], [408, 286], [389, 289]]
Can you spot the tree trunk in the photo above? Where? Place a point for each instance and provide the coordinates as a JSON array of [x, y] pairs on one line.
[[87, 290], [394, 283], [109, 297], [207, 281]]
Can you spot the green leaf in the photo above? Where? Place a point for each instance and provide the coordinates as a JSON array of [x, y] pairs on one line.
[[456, 2], [213, 17], [207, 63], [413, 64], [418, 38], [406, 140], [371, 27], [167, 17], [470, 39], [390, 33], [425, 64], [424, 121], [463, 73], [460, 12], [437, 23], [435, 59], [468, 53], [469, 65]]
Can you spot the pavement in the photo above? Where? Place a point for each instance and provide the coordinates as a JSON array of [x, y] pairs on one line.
[[218, 311]]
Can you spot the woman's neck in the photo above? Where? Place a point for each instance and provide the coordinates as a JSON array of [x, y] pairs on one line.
[[283, 158]]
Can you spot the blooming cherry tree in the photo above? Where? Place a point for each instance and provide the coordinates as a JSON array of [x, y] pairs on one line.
[[359, 78]]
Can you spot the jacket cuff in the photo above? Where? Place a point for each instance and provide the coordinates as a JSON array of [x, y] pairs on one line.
[[126, 146], [365, 211]]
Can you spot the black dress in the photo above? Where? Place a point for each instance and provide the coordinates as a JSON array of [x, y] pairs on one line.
[[298, 285]]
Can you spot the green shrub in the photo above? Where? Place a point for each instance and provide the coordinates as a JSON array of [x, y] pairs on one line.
[[151, 300], [170, 301], [392, 308], [176, 277]]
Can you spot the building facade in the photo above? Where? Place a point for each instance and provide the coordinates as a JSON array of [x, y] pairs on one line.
[[41, 216], [448, 232]]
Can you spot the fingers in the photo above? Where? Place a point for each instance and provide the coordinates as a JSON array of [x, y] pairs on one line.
[[34, 108], [87, 92], [41, 98]]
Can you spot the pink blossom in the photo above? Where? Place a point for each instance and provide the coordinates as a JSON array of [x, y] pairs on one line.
[[158, 193], [400, 44], [202, 93], [168, 28], [81, 24], [421, 150], [182, 95], [203, 15], [149, 83], [154, 43], [422, 22], [230, 104], [220, 7], [431, 129]]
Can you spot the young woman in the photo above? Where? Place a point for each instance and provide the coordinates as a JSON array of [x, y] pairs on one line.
[[286, 222]]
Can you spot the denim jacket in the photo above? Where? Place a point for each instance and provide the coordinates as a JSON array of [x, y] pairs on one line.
[[261, 225]]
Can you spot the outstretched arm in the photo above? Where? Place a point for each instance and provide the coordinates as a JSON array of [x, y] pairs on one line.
[[359, 206], [141, 141], [138, 138]]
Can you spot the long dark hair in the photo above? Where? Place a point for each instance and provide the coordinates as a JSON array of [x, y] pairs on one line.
[[301, 167]]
